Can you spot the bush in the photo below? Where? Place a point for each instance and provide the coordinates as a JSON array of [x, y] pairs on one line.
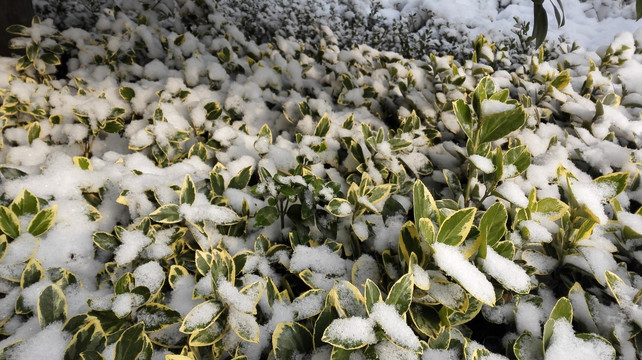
[[203, 196]]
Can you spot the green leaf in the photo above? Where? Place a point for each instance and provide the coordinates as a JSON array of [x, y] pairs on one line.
[[240, 180], [336, 335], [372, 294], [127, 93], [131, 343], [540, 27], [32, 273], [464, 117], [11, 173], [528, 347], [348, 299], [427, 230], [423, 203], [18, 29], [166, 214], [519, 157], [425, 319], [91, 355], [106, 241], [400, 295], [638, 10], [201, 316], [210, 334], [397, 144], [42, 221], [323, 126], [157, 316], [409, 241], [244, 325], [496, 126], [33, 131], [9, 223], [89, 337], [492, 225], [188, 191], [83, 163], [339, 207], [52, 305], [4, 244], [32, 52], [290, 340], [342, 354], [617, 181], [553, 208], [378, 193], [217, 182], [266, 216], [562, 309], [25, 203], [455, 228], [213, 110], [616, 285]]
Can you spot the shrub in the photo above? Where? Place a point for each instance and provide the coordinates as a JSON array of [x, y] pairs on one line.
[[204, 196]]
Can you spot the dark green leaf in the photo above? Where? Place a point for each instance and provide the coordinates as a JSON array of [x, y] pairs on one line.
[[157, 316], [400, 295], [52, 305], [127, 93], [42, 221], [266, 216], [25, 203], [291, 339], [496, 126], [240, 180], [455, 228], [90, 337], [166, 214], [9, 223], [131, 342], [464, 117]]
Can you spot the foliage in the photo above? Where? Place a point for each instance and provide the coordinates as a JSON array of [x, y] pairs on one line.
[[261, 200]]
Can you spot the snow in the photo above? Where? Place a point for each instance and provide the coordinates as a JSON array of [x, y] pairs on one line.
[[490, 107], [319, 259], [201, 315], [451, 260], [513, 193], [150, 275], [133, 243], [260, 84], [505, 271], [482, 163], [51, 341], [124, 303], [536, 232], [565, 345], [231, 295], [394, 326], [353, 330]]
